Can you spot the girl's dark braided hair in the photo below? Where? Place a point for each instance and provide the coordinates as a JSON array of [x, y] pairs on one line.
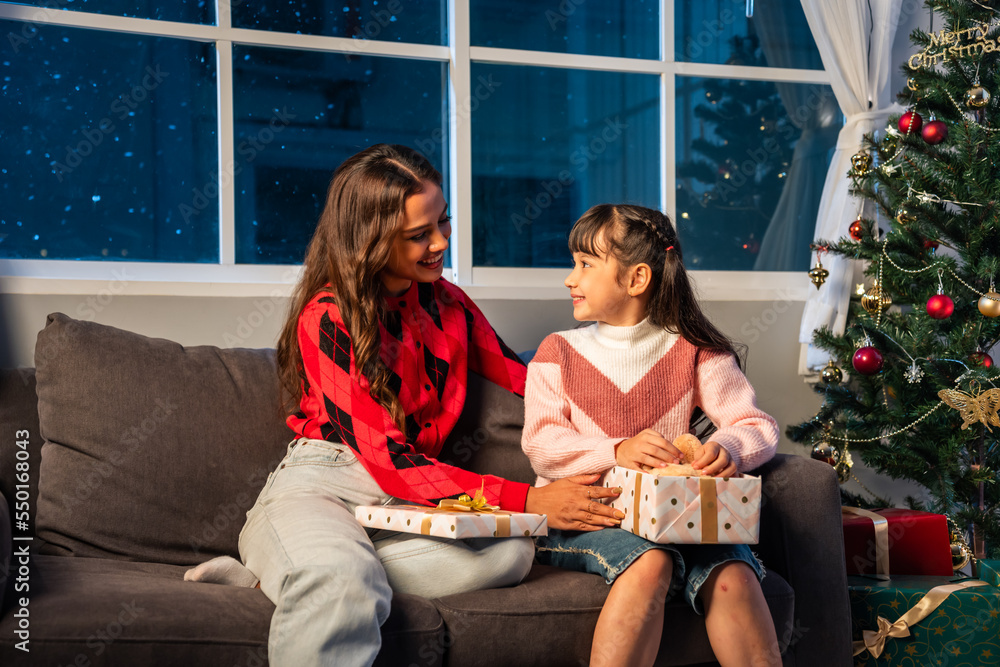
[[639, 235]]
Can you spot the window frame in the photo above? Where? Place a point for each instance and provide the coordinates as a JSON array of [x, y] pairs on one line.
[[229, 279]]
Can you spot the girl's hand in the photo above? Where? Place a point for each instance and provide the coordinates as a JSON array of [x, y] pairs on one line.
[[572, 504], [649, 449], [715, 461]]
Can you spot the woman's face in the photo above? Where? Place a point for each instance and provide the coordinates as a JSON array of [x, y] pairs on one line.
[[421, 241]]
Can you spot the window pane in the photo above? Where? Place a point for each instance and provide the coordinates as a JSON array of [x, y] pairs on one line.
[[626, 28], [418, 21], [110, 148], [299, 114], [549, 143], [719, 32], [202, 11], [752, 158]]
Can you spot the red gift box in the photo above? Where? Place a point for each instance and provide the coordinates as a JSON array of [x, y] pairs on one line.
[[918, 542]]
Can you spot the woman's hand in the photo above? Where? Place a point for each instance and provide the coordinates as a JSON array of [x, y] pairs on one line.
[[715, 461], [649, 449], [572, 504]]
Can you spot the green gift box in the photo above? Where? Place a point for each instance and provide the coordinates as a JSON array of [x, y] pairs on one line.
[[989, 571], [963, 630]]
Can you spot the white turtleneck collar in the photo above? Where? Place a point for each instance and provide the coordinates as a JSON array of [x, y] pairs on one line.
[[636, 335]]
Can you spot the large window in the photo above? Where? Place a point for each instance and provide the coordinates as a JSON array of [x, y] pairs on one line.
[[197, 136]]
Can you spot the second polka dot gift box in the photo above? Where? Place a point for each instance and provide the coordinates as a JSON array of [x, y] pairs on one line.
[[687, 510]]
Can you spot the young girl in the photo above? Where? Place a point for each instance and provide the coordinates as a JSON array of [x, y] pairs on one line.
[[617, 393], [375, 355]]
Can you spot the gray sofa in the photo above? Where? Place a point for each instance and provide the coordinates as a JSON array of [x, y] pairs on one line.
[[143, 457]]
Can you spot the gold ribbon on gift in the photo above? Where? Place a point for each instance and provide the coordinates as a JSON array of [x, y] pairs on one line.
[[635, 505], [881, 538], [874, 640], [709, 511], [474, 505]]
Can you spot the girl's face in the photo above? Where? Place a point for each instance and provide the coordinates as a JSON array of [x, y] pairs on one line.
[[597, 295], [420, 243]]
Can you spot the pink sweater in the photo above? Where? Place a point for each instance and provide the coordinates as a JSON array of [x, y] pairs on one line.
[[589, 389]]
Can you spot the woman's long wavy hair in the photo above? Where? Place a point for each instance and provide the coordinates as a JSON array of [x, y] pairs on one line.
[[636, 235], [351, 246]]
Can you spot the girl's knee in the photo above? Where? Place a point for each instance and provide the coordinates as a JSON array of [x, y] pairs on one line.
[[653, 568], [732, 579]]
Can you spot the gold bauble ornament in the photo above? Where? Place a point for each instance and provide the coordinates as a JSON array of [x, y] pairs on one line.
[[862, 163], [818, 274], [875, 299], [890, 145], [843, 467], [907, 213], [977, 97], [989, 305], [960, 552], [831, 374]]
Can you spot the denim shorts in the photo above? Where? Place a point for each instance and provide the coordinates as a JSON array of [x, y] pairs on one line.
[[607, 552]]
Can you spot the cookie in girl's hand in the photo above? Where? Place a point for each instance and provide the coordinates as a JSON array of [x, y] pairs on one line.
[[689, 447]]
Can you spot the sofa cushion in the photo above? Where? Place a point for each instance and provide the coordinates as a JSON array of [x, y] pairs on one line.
[[153, 451], [113, 612], [487, 437], [563, 607]]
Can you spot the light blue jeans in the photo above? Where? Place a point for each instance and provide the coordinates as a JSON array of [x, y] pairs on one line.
[[330, 582]]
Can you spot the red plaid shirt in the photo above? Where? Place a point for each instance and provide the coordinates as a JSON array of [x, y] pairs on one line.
[[434, 336]]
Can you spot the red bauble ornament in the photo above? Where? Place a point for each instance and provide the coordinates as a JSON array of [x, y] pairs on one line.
[[940, 306], [857, 230], [867, 360], [981, 359], [930, 244], [934, 132], [910, 122]]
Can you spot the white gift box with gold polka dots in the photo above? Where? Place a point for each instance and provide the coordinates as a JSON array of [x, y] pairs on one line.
[[450, 523], [687, 510]]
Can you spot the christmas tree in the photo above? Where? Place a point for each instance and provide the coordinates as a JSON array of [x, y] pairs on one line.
[[922, 396], [743, 118]]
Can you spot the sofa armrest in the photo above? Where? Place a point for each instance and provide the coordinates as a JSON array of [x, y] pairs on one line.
[[802, 540], [6, 546]]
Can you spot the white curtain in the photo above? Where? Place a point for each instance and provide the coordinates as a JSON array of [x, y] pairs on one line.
[[859, 74], [813, 110]]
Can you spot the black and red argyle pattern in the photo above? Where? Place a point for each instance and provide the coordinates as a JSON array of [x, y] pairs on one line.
[[433, 336]]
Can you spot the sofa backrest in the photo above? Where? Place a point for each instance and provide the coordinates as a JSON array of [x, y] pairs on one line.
[[154, 452]]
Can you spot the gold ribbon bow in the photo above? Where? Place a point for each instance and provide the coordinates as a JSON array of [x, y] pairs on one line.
[[874, 640], [881, 538], [474, 505], [467, 504]]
